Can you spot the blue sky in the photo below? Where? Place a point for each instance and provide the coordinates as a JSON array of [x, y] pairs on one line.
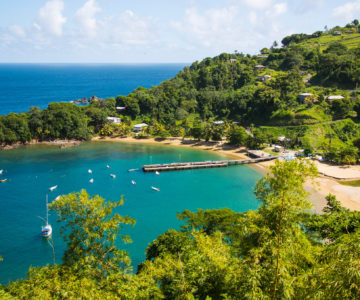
[[123, 31]]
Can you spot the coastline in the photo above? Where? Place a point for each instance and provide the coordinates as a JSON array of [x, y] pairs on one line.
[[326, 182]]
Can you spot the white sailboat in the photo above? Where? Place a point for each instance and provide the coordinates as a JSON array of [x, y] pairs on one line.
[[91, 180], [90, 171], [1, 171], [46, 230]]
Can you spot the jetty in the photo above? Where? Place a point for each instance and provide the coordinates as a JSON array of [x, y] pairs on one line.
[[203, 164]]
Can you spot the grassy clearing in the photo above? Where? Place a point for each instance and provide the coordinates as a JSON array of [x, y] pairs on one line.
[[353, 183]]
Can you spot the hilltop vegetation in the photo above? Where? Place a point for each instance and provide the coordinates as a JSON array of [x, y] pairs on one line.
[[240, 90]]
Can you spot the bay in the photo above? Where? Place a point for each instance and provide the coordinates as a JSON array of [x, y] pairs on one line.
[[31, 170], [25, 85]]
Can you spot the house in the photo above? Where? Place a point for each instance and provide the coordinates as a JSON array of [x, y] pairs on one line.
[[114, 120], [259, 67], [218, 122], [283, 139], [138, 127], [336, 33], [262, 56], [120, 108], [278, 148], [334, 97], [302, 97], [264, 78], [232, 60]]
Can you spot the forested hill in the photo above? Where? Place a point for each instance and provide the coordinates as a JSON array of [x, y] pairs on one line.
[[229, 86], [309, 83]]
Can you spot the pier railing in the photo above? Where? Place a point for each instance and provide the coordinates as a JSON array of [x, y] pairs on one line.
[[203, 164]]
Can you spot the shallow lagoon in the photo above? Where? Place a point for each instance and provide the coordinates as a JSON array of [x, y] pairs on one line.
[[32, 170]]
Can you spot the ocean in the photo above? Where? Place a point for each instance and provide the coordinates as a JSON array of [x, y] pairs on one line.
[[26, 85], [31, 170]]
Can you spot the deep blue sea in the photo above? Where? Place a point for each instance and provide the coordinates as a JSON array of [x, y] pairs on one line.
[[25, 85], [31, 170]]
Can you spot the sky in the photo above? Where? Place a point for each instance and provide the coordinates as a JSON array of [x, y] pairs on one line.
[[156, 31]]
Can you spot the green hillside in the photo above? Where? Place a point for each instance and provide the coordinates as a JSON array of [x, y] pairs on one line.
[[248, 90]]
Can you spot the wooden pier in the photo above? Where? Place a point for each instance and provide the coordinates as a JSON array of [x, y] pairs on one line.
[[203, 164]]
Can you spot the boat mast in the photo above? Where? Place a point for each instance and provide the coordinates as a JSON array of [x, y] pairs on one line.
[[47, 211]]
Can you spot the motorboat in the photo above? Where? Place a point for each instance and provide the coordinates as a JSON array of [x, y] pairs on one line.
[[53, 188], [113, 176], [108, 166], [155, 189], [157, 173]]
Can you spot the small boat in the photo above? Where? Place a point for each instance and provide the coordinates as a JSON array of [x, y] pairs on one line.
[[91, 180], [46, 230], [133, 182], [157, 173], [1, 171], [89, 171], [155, 189], [108, 166], [58, 197], [113, 176], [53, 188], [3, 180], [133, 170]]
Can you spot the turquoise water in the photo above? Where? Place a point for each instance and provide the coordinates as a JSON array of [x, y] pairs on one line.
[[31, 171], [25, 85]]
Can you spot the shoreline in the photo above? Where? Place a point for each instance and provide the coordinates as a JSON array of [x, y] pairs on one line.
[[326, 182]]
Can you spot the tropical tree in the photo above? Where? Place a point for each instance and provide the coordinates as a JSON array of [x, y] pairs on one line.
[[90, 230]]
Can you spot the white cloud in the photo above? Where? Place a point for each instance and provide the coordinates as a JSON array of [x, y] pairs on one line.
[[348, 11], [50, 18], [128, 28], [212, 27], [17, 31], [279, 9], [258, 4], [85, 17]]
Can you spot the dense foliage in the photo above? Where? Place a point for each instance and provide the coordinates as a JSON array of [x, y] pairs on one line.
[[278, 251]]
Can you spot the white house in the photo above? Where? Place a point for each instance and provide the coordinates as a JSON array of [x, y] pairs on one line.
[[334, 97], [114, 120], [119, 108], [218, 122], [139, 127], [303, 96], [232, 60]]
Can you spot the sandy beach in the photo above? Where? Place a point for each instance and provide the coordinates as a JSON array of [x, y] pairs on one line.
[[326, 183]]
